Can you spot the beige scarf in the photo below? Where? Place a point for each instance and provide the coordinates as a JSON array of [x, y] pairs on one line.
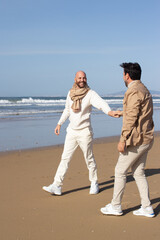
[[77, 94]]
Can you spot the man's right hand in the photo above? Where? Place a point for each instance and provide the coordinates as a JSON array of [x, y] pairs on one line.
[[115, 114], [57, 129]]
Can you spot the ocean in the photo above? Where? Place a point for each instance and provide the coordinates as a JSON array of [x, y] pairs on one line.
[[29, 122]]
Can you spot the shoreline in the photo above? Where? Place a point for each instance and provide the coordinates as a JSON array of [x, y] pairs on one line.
[[21, 135], [108, 139]]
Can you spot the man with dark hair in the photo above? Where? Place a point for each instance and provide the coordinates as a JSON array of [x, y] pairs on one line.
[[135, 142], [134, 70]]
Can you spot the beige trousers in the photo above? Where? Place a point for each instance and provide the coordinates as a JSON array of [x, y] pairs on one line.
[[134, 158], [74, 138]]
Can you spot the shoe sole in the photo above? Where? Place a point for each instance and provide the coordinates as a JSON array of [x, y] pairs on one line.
[[147, 215], [53, 193], [108, 213], [93, 193]]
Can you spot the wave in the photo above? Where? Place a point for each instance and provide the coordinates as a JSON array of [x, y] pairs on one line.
[[156, 100], [41, 101], [49, 106], [45, 112], [45, 102], [9, 113], [31, 101], [4, 101], [53, 101]]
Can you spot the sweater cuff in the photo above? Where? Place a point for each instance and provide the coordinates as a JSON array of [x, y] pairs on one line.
[[60, 123]]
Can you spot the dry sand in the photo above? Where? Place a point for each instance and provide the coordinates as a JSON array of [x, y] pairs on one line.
[[27, 212]]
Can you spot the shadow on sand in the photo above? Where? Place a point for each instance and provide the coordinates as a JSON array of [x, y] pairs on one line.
[[110, 184]]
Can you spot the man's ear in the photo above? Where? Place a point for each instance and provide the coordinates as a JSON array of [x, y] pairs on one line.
[[127, 76]]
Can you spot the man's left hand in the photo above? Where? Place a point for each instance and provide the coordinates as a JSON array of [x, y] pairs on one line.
[[121, 147]]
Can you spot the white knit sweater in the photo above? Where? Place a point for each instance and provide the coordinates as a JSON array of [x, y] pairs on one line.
[[81, 119]]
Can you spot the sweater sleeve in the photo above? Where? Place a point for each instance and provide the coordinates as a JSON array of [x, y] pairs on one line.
[[66, 112], [130, 116], [97, 102]]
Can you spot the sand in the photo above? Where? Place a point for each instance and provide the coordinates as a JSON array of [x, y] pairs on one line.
[[27, 212]]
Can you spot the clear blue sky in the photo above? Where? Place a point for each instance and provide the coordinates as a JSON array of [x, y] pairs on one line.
[[44, 42]]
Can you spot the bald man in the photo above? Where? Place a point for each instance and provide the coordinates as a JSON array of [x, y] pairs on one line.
[[79, 102]]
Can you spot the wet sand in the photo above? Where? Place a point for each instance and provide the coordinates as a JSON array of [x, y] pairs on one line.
[[27, 212]]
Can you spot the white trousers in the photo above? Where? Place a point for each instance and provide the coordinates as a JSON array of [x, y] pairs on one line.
[[134, 157], [74, 138]]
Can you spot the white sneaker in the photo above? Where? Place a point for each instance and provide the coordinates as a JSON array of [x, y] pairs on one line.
[[94, 189], [112, 210], [147, 212], [53, 189]]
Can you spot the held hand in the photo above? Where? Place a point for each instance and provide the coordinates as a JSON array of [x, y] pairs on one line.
[[121, 147], [115, 114], [57, 129], [120, 113]]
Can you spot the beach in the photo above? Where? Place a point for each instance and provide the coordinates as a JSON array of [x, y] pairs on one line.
[[63, 74], [29, 213]]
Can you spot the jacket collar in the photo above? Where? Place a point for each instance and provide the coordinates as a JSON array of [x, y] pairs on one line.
[[133, 83]]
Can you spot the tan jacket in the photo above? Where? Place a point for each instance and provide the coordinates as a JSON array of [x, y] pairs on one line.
[[138, 124]]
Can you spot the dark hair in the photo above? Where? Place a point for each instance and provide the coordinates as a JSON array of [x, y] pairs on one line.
[[133, 69]]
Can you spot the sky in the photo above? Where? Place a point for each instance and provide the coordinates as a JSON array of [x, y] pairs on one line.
[[43, 43]]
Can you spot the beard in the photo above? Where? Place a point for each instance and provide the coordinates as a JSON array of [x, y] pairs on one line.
[[80, 85], [126, 84]]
